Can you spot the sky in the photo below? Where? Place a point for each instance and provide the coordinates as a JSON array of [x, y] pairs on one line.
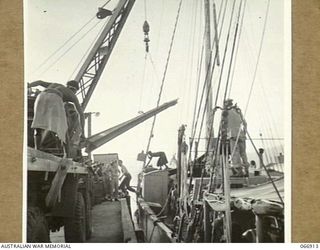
[[130, 83]]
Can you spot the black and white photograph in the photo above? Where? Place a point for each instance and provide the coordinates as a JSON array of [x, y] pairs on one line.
[[157, 121]]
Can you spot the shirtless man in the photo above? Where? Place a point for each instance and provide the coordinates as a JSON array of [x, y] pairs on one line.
[[125, 184], [49, 112]]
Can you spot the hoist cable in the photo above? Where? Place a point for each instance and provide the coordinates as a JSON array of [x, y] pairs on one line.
[[164, 77], [145, 10], [143, 80]]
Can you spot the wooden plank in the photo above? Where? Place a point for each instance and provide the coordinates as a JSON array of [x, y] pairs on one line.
[[127, 225], [41, 161], [56, 185]]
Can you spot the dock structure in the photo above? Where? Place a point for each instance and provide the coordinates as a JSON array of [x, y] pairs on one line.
[[111, 224]]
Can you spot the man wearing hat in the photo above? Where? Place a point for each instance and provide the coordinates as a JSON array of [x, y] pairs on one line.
[[237, 127], [49, 112]]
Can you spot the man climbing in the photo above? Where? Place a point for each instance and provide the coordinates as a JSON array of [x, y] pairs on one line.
[[125, 184], [49, 111], [162, 160], [237, 129]]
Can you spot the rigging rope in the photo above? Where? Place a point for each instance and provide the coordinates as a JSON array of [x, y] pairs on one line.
[[206, 102], [226, 88], [273, 126], [220, 80], [206, 76], [270, 178], [64, 44], [224, 56], [191, 54], [259, 54], [236, 54], [232, 52], [164, 77], [58, 59], [106, 3], [87, 51]]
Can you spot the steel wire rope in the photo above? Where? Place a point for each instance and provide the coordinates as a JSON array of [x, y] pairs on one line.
[[251, 88], [259, 54], [65, 43], [191, 57], [199, 68], [228, 76], [157, 43], [280, 145], [203, 89], [273, 123], [237, 49], [68, 50], [221, 72], [105, 3], [210, 88], [209, 92], [270, 178], [198, 75], [255, 72], [258, 58], [143, 80], [87, 51], [271, 148], [229, 72], [145, 10], [226, 87], [206, 76], [232, 53], [164, 77], [186, 37]]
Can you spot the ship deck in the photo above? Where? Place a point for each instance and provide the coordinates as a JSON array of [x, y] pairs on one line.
[[111, 224]]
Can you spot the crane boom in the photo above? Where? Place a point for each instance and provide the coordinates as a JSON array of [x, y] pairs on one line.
[[91, 70]]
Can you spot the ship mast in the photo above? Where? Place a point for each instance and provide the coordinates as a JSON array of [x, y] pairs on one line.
[[208, 65]]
